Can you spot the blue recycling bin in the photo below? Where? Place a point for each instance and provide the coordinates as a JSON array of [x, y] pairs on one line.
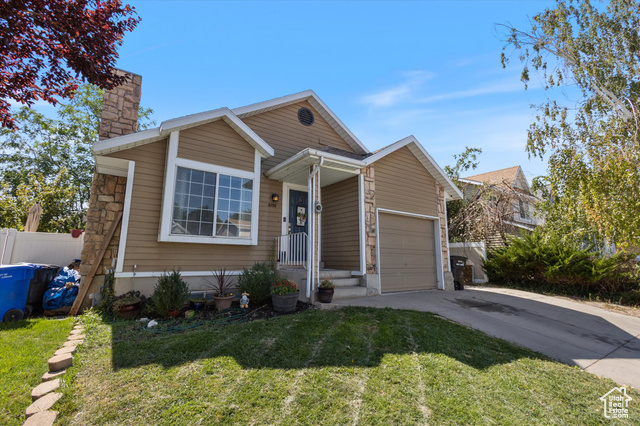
[[14, 288]]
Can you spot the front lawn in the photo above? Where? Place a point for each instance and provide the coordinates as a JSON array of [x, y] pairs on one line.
[[350, 366], [25, 347]]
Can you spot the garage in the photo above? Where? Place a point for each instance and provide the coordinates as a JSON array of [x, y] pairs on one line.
[[407, 253]]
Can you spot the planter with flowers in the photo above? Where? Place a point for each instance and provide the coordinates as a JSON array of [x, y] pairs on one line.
[[325, 291], [284, 295], [221, 286]]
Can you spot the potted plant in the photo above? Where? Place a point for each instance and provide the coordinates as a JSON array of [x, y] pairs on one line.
[[221, 287], [325, 291], [170, 294], [128, 305], [284, 295]]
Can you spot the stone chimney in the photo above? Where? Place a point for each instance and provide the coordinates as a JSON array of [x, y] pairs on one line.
[[119, 117], [120, 107]]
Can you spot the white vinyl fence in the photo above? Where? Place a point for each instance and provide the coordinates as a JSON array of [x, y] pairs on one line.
[[38, 247], [476, 253]]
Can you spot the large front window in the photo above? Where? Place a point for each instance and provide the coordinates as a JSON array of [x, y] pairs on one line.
[[211, 204]]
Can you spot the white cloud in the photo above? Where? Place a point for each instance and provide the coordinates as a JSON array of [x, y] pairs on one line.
[[401, 93], [463, 94]]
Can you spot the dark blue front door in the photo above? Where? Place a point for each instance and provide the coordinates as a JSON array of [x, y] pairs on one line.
[[298, 223], [298, 215]]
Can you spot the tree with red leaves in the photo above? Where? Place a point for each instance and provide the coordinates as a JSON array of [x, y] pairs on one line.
[[48, 47]]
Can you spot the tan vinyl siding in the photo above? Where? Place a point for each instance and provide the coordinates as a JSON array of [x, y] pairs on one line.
[[340, 225], [281, 129], [143, 247], [403, 184], [216, 143]]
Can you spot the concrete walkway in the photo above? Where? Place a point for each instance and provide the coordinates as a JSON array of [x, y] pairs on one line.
[[601, 342]]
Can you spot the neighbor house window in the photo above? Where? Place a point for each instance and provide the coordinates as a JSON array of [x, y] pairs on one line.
[[524, 207], [211, 204]]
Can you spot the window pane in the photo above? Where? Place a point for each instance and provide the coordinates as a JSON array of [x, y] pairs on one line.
[[195, 199], [197, 176], [196, 189], [188, 202], [184, 174], [182, 187], [210, 178], [207, 203], [209, 190]]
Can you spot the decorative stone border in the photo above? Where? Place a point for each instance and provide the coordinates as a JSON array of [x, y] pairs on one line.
[[44, 395]]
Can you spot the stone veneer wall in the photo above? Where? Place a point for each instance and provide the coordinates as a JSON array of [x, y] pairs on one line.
[[370, 219], [443, 226], [119, 117]]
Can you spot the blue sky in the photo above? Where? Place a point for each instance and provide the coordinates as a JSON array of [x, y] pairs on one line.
[[387, 69]]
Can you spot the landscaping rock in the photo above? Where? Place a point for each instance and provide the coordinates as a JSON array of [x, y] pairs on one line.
[[43, 404], [74, 332], [44, 388], [52, 375], [76, 337], [65, 350], [60, 362], [43, 418], [72, 343]]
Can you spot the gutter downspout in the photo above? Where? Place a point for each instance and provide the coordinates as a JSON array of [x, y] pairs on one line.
[[311, 215]]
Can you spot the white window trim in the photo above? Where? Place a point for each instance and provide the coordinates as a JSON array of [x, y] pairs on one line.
[[124, 227], [173, 162]]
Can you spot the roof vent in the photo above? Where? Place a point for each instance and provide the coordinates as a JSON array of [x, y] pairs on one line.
[[305, 116]]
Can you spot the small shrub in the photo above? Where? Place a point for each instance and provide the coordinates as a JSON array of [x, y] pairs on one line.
[[546, 263], [257, 282], [170, 293]]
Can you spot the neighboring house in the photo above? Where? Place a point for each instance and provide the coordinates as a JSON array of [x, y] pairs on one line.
[[283, 178], [511, 197]]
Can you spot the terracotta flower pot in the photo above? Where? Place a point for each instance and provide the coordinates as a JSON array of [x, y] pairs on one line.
[[174, 313], [222, 302], [325, 295]]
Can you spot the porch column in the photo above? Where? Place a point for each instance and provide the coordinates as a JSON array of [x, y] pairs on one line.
[[370, 225]]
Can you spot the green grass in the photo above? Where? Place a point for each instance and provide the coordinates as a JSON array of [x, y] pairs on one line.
[[352, 366], [25, 347]]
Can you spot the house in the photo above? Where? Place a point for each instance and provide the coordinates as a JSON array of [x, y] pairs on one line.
[[511, 198], [284, 179]]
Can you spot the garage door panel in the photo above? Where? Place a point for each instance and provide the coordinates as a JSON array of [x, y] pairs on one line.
[[407, 253]]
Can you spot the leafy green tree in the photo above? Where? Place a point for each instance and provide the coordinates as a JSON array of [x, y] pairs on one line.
[[592, 144], [45, 154]]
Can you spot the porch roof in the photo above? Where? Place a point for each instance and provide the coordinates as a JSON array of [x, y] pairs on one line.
[[334, 167]]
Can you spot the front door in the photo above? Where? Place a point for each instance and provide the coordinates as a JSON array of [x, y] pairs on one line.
[[298, 225], [298, 204]]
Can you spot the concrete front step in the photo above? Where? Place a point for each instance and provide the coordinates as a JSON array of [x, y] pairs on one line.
[[334, 273], [349, 292], [346, 282]]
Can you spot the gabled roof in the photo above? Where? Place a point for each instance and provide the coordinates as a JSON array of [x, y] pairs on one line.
[[427, 161], [168, 126], [502, 178], [497, 177], [316, 103]]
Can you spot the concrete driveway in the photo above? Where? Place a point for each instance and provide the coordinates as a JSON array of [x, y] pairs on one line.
[[601, 342]]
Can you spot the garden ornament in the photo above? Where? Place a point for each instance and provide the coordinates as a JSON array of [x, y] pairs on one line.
[[244, 300]]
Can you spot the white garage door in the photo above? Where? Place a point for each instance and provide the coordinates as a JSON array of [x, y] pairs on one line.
[[407, 253]]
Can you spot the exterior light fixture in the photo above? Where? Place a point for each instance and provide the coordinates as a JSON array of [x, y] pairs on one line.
[[275, 198]]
